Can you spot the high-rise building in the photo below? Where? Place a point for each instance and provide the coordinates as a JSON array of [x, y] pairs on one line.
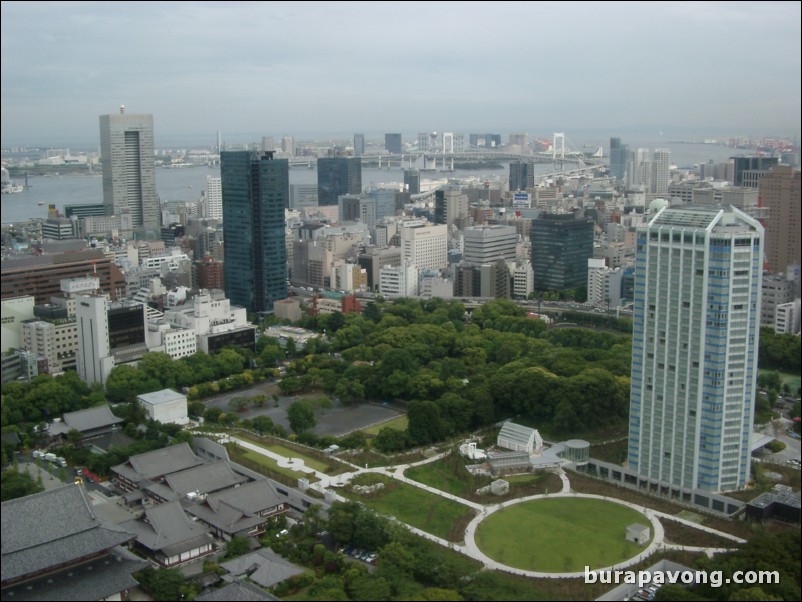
[[561, 246], [129, 179], [359, 145], [425, 247], [255, 193], [213, 205], [660, 171], [336, 176], [619, 155], [392, 142], [450, 206], [779, 191], [522, 175], [695, 347], [747, 171], [412, 181], [288, 145]]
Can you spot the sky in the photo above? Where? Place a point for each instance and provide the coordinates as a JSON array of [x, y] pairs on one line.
[[253, 69]]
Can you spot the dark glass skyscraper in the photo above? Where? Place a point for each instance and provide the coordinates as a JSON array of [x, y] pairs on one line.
[[522, 175], [255, 193], [561, 247], [392, 142], [619, 155], [336, 176]]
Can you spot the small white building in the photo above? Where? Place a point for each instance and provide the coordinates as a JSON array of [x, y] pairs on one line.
[[637, 533], [166, 406]]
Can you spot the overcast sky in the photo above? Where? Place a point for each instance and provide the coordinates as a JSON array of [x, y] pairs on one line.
[[297, 68]]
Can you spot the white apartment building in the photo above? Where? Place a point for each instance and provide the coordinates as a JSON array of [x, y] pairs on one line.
[[213, 203], [398, 281], [695, 347]]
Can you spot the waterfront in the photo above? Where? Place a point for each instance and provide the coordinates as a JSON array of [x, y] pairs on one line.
[[186, 184]]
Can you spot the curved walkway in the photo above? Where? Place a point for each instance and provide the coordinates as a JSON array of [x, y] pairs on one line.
[[470, 548]]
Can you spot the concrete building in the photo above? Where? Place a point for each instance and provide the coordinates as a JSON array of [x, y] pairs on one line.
[[660, 171], [127, 159], [451, 206], [216, 322], [425, 247], [780, 194], [41, 276], [778, 289], [522, 175], [523, 278], [787, 318], [694, 348], [374, 259], [359, 145], [747, 171], [166, 406], [15, 311], [488, 244], [398, 281], [213, 201]]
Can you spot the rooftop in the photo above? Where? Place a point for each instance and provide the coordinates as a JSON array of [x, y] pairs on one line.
[[158, 463], [163, 396], [52, 528]]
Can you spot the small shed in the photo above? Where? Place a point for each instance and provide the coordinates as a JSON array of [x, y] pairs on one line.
[[640, 534]]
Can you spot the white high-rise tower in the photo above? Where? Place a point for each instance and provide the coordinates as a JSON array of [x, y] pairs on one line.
[[129, 179], [695, 347]]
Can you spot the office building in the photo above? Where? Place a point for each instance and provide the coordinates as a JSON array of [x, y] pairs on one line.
[[619, 155], [109, 334], [488, 280], [80, 211], [40, 276], [359, 145], [747, 171], [561, 247], [392, 142], [15, 311], [451, 207], [522, 175], [779, 192], [487, 244], [255, 189], [129, 179], [337, 176], [412, 181], [695, 348], [425, 247]]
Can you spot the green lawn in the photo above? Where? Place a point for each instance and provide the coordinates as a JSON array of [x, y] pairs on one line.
[[400, 424], [559, 534], [441, 476], [426, 511]]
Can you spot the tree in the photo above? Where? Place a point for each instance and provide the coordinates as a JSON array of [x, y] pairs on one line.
[[262, 424], [163, 584], [301, 416], [424, 422], [390, 440], [237, 546]]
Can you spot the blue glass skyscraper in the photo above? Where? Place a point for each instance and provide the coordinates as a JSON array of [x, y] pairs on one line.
[[255, 190]]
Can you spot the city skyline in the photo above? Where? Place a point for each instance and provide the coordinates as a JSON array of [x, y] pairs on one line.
[[197, 70]]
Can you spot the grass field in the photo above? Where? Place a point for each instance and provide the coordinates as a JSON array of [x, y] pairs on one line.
[[426, 511], [441, 476], [400, 424], [789, 378], [559, 534], [291, 453]]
